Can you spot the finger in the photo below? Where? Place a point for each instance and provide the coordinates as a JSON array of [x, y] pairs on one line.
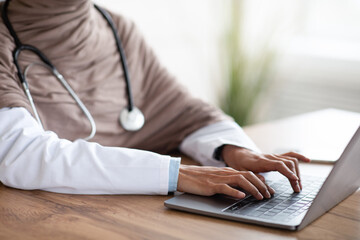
[[227, 190], [291, 165], [245, 184], [296, 167], [280, 166], [260, 185], [297, 155], [261, 177], [270, 189], [295, 185]]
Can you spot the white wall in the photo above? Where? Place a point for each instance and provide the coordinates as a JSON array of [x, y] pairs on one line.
[[319, 64], [317, 42], [185, 35]]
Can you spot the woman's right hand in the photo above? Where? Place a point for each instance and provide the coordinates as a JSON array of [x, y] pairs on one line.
[[208, 181]]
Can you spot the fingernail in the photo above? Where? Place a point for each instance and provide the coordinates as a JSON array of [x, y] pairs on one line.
[[267, 194], [272, 191], [241, 195], [297, 187], [259, 196]]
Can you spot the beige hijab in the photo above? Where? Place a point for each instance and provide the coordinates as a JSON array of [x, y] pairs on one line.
[[78, 41]]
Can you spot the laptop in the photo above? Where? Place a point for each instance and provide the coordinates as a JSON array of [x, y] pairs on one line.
[[286, 209]]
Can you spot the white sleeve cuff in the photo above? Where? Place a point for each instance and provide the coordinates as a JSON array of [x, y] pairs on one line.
[[202, 143], [174, 167]]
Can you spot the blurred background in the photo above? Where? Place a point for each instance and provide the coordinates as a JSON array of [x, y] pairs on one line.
[[258, 60]]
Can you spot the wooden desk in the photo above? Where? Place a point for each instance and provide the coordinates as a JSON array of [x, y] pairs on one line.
[[44, 215]]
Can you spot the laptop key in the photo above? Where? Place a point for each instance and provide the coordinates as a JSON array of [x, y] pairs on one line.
[[274, 210], [261, 209], [266, 207], [244, 211], [270, 214], [289, 211], [280, 207], [254, 214], [271, 204]]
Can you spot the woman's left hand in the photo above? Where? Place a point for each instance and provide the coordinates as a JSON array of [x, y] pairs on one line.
[[287, 164]]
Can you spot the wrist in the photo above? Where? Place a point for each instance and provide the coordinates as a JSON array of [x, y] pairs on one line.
[[182, 177], [230, 152]]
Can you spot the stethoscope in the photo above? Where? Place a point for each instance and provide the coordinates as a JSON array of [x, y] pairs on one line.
[[131, 118]]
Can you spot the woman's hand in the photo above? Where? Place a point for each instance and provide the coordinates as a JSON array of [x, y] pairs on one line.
[[208, 181], [246, 160], [243, 166]]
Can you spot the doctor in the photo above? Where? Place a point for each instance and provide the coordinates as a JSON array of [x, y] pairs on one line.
[[64, 80]]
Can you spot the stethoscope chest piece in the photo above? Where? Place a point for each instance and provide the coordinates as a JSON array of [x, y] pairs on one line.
[[132, 120]]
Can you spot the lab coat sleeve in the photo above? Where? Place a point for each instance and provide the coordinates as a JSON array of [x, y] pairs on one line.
[[201, 144], [31, 158]]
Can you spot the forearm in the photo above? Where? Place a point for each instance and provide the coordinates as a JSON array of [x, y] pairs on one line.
[[34, 159], [202, 144]]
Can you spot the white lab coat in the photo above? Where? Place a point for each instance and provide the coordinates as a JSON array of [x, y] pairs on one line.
[[31, 158]]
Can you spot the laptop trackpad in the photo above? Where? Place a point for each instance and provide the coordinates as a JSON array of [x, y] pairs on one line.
[[200, 203]]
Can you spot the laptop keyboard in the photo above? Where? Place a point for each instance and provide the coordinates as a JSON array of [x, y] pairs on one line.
[[284, 204]]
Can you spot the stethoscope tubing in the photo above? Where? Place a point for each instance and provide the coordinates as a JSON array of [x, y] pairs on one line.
[[120, 49], [47, 63], [72, 93], [124, 116], [33, 49]]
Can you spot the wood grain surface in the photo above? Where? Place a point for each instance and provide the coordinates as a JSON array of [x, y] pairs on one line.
[[44, 215]]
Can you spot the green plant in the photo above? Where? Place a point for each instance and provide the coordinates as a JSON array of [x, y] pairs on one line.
[[247, 76]]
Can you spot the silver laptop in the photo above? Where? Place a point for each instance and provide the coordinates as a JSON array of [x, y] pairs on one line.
[[286, 209]]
